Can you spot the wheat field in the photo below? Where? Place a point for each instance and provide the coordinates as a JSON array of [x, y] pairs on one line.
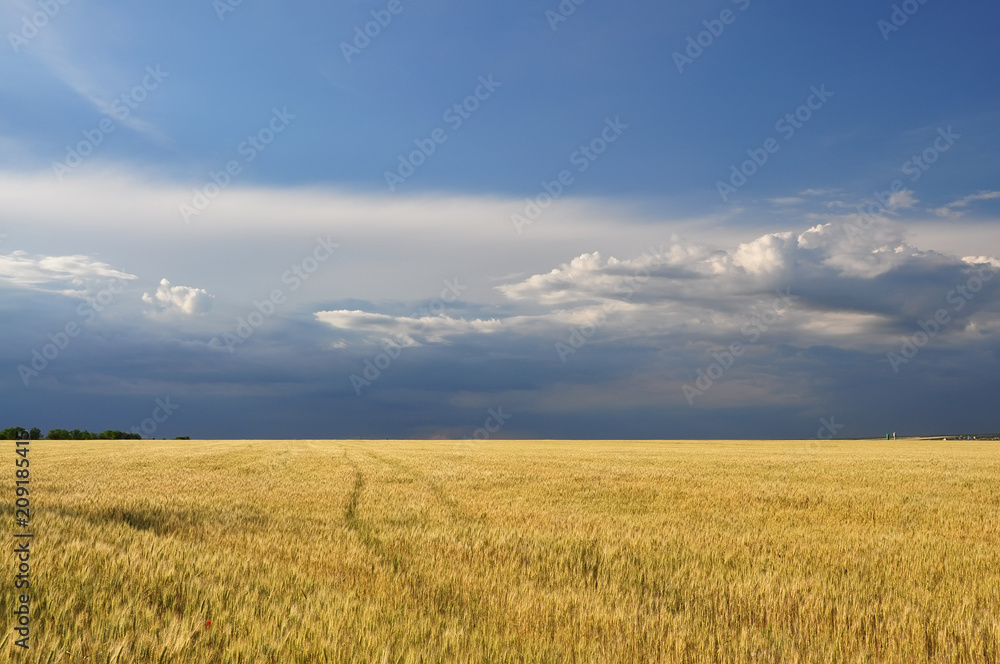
[[512, 551]]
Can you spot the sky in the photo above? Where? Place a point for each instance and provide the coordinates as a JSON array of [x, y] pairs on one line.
[[533, 219]]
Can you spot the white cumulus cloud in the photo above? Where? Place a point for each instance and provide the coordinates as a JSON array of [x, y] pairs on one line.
[[179, 299], [830, 288]]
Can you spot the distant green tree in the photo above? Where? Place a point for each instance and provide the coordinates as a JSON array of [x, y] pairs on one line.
[[115, 434]]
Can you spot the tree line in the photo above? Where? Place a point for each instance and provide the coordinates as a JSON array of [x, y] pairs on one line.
[[17, 433]]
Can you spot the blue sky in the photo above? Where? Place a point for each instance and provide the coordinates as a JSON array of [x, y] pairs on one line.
[[117, 128]]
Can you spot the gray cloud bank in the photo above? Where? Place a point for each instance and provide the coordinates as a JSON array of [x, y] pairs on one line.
[[678, 339]]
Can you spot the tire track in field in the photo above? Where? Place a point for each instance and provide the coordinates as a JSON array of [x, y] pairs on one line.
[[426, 589], [362, 528], [455, 511]]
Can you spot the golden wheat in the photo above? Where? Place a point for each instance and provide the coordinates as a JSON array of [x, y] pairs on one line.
[[501, 551]]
